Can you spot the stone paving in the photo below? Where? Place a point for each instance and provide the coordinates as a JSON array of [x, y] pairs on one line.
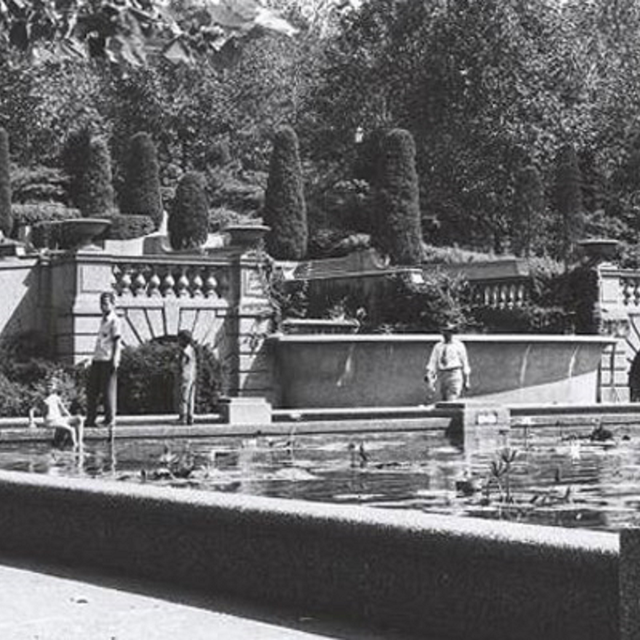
[[47, 602]]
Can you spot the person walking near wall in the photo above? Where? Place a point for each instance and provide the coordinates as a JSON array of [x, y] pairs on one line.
[[448, 370], [187, 379], [103, 380]]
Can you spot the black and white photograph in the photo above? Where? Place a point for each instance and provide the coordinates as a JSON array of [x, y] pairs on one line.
[[320, 319]]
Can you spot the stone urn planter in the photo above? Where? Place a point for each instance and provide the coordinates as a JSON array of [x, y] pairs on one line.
[[599, 249], [246, 235], [69, 235], [76, 233]]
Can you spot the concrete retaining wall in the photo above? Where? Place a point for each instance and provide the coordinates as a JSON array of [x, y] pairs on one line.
[[435, 576], [388, 370], [23, 300]]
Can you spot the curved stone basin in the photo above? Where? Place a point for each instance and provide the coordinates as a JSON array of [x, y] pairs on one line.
[[377, 371]]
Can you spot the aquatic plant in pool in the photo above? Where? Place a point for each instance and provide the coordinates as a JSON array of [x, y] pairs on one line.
[[537, 475]]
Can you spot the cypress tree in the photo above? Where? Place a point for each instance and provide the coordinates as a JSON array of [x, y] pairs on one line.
[[285, 209], [398, 229], [528, 210], [74, 160], [141, 194], [95, 197], [6, 218], [188, 223], [568, 199]]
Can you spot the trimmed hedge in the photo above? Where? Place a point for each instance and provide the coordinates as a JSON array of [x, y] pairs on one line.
[[125, 227], [141, 195], [285, 209], [189, 217], [397, 202], [32, 213]]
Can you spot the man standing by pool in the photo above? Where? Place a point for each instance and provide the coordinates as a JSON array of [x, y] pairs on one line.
[[104, 365], [448, 366]]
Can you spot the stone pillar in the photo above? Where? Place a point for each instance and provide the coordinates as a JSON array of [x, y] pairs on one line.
[[251, 367], [76, 282], [614, 368]]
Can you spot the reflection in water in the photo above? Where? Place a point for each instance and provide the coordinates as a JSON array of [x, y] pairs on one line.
[[538, 475]]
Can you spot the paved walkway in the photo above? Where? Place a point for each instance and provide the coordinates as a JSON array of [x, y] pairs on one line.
[[42, 602]]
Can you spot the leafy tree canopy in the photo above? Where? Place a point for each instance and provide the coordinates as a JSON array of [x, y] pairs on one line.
[[128, 31]]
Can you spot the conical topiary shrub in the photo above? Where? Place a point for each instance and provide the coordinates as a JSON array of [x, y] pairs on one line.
[[95, 189], [189, 215], [141, 194], [285, 210], [6, 219], [398, 230]]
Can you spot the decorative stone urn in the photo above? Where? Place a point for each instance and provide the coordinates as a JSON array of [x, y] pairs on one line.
[[599, 249], [246, 235], [76, 233]]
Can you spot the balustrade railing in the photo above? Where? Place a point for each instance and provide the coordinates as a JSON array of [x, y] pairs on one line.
[[500, 295], [629, 287], [164, 280]]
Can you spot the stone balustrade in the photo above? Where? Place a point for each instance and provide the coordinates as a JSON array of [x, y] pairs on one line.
[[500, 295], [160, 279], [629, 286]]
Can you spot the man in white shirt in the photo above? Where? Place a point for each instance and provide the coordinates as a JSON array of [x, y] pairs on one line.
[[104, 366], [448, 366]]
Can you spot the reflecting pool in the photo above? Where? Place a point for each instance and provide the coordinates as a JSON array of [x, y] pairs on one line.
[[542, 475]]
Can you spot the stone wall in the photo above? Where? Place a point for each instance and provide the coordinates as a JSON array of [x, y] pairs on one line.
[[434, 576], [24, 302], [316, 371]]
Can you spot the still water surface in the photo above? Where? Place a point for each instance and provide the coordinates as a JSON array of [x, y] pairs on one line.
[[540, 475]]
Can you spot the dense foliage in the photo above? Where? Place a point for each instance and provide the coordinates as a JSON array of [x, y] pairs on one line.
[[6, 221], [147, 379], [397, 226], [285, 209], [486, 88], [568, 199], [25, 367], [528, 212], [126, 227], [189, 214], [141, 192]]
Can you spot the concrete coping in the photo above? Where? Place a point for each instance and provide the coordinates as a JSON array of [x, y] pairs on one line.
[[407, 522], [429, 338]]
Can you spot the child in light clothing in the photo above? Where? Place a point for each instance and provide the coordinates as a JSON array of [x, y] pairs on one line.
[[58, 417], [187, 379]]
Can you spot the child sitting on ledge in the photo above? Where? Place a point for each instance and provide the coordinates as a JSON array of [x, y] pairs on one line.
[[57, 417]]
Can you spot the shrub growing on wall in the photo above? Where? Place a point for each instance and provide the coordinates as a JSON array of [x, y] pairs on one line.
[[189, 215], [6, 221], [285, 210], [141, 194], [397, 205]]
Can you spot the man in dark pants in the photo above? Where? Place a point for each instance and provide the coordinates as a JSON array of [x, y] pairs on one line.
[[104, 366]]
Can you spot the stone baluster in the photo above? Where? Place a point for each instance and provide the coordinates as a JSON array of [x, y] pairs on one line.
[[154, 284], [168, 285], [197, 283], [182, 286], [139, 284], [125, 281], [210, 288]]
